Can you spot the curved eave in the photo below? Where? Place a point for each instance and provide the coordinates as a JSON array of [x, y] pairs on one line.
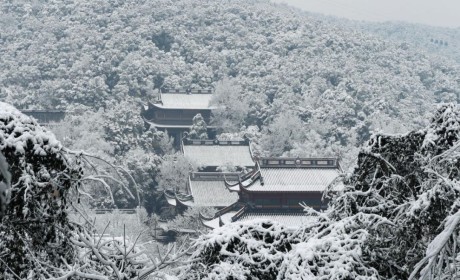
[[157, 125], [166, 126], [250, 181], [162, 107], [231, 187], [170, 199], [211, 224], [208, 222], [185, 202]]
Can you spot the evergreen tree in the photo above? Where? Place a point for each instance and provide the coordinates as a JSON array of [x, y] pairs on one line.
[[199, 129], [35, 230]]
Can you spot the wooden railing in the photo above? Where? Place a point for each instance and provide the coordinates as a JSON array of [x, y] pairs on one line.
[[120, 211], [299, 162], [214, 176], [216, 142], [187, 91]]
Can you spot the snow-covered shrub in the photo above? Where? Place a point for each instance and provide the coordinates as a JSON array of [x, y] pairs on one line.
[[332, 250], [245, 250]]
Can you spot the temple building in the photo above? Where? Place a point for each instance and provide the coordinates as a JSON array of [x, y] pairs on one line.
[[205, 189], [174, 111], [217, 161], [45, 117], [219, 155], [276, 188]]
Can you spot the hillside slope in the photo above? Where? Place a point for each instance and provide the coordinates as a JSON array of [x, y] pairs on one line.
[[337, 85], [435, 40]]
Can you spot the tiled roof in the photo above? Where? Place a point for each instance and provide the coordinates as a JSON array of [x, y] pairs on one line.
[[288, 219], [211, 194], [294, 179], [214, 223], [185, 101], [219, 155]]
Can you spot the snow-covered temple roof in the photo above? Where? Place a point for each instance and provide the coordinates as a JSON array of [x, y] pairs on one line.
[[240, 213], [288, 219], [218, 153], [211, 193], [289, 175], [205, 189], [294, 180], [182, 99]]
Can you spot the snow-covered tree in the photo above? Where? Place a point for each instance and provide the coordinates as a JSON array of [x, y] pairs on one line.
[[409, 180], [35, 231], [229, 111], [249, 250], [174, 171], [199, 128]]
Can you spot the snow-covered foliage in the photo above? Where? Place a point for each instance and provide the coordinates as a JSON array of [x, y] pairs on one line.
[[35, 229], [118, 136], [442, 41], [230, 110], [245, 250], [263, 249], [332, 250], [410, 180], [199, 128]]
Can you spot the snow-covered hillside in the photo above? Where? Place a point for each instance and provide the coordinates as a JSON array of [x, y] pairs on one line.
[[334, 84]]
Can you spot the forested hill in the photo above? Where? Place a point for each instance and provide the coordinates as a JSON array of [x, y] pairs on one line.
[[334, 84], [442, 41]]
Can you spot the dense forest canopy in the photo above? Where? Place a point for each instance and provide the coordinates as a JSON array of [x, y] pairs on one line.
[[337, 84]]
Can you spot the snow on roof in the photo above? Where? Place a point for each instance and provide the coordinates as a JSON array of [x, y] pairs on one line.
[[226, 219], [295, 179], [212, 194], [219, 155], [288, 219], [185, 101]]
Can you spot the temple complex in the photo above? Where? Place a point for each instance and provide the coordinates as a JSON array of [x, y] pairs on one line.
[[244, 188]]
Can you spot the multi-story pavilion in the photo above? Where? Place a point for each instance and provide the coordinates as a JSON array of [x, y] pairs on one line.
[[174, 111]]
